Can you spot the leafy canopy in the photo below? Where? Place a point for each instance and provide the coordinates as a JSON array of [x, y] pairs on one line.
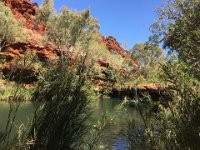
[[149, 57], [147, 54], [45, 11], [69, 28], [178, 26]]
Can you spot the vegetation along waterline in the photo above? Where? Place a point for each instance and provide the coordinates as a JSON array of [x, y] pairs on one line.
[[62, 64]]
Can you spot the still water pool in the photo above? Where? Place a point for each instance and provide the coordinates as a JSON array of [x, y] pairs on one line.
[[115, 134]]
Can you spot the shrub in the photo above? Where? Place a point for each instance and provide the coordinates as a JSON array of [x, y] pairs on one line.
[[24, 69], [61, 122], [175, 125], [10, 28]]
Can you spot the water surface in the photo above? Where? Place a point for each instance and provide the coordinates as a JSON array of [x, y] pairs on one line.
[[114, 135]]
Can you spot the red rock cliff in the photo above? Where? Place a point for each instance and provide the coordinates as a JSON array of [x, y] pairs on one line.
[[113, 45], [25, 9]]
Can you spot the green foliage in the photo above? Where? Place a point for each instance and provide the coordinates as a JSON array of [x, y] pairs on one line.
[[69, 29], [148, 130], [149, 56], [180, 122], [45, 11], [177, 122], [8, 92], [112, 75], [61, 122], [174, 125], [99, 51], [2, 137], [10, 28], [178, 26], [24, 69]]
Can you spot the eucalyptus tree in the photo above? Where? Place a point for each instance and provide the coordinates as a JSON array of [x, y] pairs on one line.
[[69, 28], [149, 56], [178, 26], [45, 11]]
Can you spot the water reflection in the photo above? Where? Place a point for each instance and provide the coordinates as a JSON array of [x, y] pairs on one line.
[[114, 135], [117, 134], [23, 114]]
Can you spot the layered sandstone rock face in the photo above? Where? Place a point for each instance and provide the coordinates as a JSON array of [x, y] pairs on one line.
[[23, 7], [113, 45], [26, 10], [44, 52]]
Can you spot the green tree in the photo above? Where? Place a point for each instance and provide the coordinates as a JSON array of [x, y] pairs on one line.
[[149, 56], [71, 29], [178, 26], [10, 28], [61, 123], [45, 11], [178, 122]]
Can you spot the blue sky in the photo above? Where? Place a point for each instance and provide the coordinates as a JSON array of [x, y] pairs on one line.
[[126, 20]]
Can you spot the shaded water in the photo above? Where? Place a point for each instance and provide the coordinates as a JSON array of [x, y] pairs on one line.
[[114, 135]]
